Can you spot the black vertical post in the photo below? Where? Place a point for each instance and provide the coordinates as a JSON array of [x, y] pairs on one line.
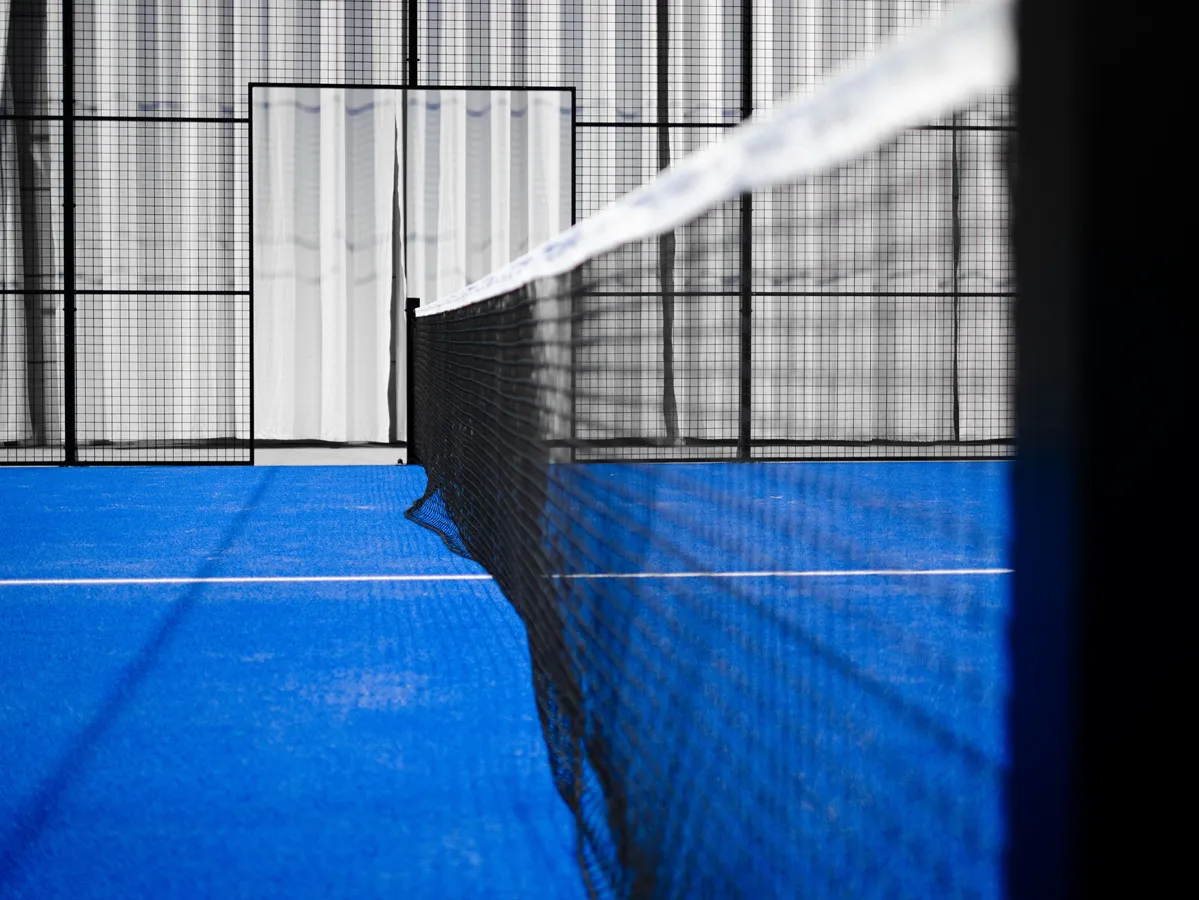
[[574, 136], [576, 280], [666, 241], [412, 79], [250, 204], [1050, 212], [410, 378], [956, 177], [70, 442], [393, 308], [413, 43], [747, 219], [1099, 543]]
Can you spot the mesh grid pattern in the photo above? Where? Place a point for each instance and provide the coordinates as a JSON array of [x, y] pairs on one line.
[[621, 380], [621, 159], [32, 414], [895, 281], [185, 229], [717, 733], [160, 149], [32, 59], [195, 58], [31, 239], [607, 51], [163, 378], [31, 379]]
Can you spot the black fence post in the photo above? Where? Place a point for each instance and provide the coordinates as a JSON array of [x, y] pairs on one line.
[[70, 441], [250, 257], [744, 405], [410, 379], [413, 44]]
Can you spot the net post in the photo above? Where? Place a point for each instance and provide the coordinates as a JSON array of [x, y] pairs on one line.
[[410, 308]]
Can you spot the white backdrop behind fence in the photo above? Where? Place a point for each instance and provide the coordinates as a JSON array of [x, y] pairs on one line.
[[488, 177], [325, 208], [152, 373]]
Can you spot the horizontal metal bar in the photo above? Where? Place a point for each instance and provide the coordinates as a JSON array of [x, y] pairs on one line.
[[15, 117], [632, 443], [630, 294], [131, 292], [214, 120], [965, 128], [341, 85], [999, 295], [134, 461], [886, 294], [151, 292], [242, 120], [732, 124], [272, 444]]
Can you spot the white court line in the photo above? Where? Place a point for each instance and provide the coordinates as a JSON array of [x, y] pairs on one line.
[[597, 576], [232, 579], [817, 573]]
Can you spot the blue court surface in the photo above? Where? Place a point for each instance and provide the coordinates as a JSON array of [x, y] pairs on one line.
[[290, 739], [267, 682], [860, 609]]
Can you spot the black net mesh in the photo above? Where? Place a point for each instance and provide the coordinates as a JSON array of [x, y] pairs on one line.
[[755, 678]]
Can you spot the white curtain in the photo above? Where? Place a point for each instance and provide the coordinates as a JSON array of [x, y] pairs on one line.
[[489, 178], [325, 206]]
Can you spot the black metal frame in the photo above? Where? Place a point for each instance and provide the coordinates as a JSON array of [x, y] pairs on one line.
[[70, 442], [746, 275], [411, 303], [744, 442], [69, 291]]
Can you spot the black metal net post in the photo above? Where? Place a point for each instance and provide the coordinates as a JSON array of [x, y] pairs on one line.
[[410, 368]]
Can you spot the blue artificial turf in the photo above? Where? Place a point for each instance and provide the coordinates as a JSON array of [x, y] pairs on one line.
[[380, 739], [869, 706], [293, 740]]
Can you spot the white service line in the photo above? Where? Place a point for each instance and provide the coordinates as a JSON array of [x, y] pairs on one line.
[[596, 576], [232, 579], [817, 573]]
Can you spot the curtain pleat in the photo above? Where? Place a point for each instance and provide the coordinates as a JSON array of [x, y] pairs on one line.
[[324, 216]]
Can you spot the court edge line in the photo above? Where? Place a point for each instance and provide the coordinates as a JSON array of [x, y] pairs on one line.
[[596, 576]]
